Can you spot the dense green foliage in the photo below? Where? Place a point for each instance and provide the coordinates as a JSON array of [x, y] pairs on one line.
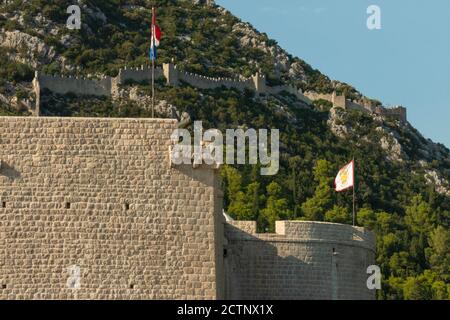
[[410, 219], [89, 106], [13, 71]]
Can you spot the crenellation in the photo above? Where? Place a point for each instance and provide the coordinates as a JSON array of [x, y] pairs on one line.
[[170, 72], [363, 105], [294, 262], [108, 86]]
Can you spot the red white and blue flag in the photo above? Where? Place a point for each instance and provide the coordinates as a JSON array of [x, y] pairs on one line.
[[156, 36]]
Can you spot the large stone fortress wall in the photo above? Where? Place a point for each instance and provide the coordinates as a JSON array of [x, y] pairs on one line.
[[102, 195], [302, 260]]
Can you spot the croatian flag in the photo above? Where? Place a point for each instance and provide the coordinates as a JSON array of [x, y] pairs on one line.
[[156, 36]]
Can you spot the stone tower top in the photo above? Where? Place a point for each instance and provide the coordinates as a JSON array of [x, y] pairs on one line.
[[206, 2]]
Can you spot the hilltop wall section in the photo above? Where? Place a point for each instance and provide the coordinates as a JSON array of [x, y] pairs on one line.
[[204, 82], [302, 260], [336, 100], [363, 105], [108, 86], [101, 195], [142, 74], [81, 86], [398, 112]]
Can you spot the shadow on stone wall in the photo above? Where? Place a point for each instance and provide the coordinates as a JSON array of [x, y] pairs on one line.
[[254, 269], [8, 171], [302, 261], [201, 174]]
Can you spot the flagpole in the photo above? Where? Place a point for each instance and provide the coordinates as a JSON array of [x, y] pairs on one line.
[[153, 87], [354, 184], [153, 64]]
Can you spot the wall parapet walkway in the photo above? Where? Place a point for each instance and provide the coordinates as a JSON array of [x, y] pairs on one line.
[[301, 260], [363, 105], [108, 86]]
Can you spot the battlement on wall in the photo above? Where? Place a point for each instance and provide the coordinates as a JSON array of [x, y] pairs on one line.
[[108, 86], [398, 112], [202, 2], [76, 85], [336, 100], [305, 231], [301, 260], [138, 74], [204, 82], [363, 105]]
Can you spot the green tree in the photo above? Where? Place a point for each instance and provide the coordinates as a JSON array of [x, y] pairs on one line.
[[440, 290], [242, 202], [367, 218], [426, 286], [245, 205], [401, 264], [419, 216], [276, 208], [314, 208], [393, 288], [385, 222], [438, 254], [324, 172], [417, 288], [294, 163], [231, 184], [338, 215]]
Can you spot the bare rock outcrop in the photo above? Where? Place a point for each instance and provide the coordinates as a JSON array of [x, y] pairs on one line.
[[28, 49]]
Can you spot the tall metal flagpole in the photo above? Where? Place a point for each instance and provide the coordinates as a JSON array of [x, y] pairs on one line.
[[153, 62], [354, 184]]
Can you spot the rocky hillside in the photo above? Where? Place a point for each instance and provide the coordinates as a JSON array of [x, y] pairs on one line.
[[403, 191]]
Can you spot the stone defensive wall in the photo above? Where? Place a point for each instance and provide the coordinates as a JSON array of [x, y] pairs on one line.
[[82, 86], [395, 112], [91, 208], [363, 105], [302, 260], [338, 101], [108, 86], [204, 82], [138, 74]]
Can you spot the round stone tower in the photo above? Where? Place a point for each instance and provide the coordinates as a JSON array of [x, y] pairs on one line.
[[302, 260]]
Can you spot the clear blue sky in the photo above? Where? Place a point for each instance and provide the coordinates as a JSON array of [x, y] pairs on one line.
[[407, 62]]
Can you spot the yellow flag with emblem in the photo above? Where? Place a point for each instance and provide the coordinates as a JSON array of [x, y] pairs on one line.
[[345, 177]]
